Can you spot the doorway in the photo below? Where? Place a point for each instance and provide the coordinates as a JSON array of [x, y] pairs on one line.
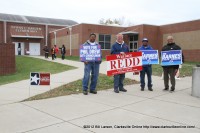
[[19, 48], [34, 48]]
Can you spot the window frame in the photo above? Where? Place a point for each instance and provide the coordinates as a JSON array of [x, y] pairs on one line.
[[105, 42]]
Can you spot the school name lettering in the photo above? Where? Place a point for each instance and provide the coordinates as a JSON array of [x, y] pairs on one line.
[[26, 29], [166, 57]]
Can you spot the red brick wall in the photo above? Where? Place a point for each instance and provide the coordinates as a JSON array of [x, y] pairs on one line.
[[1, 33], [7, 59], [192, 55]]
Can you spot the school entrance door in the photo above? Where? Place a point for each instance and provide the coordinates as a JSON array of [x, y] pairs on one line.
[[34, 48]]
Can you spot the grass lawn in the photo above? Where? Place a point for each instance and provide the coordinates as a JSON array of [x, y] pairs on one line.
[[75, 87], [25, 65]]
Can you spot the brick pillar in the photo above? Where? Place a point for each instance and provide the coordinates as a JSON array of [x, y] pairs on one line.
[[7, 59]]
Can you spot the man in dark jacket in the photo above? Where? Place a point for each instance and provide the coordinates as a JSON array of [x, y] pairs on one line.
[[170, 70], [146, 68], [63, 51], [119, 47]]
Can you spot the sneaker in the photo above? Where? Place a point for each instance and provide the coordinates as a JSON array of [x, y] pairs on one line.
[[123, 90], [116, 91], [150, 89], [142, 88], [93, 91], [85, 92], [166, 89]]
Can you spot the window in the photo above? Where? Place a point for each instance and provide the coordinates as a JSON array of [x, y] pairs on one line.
[[104, 41]]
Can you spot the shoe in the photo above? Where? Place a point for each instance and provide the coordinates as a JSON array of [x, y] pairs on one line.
[[166, 89], [93, 91], [123, 90], [142, 88], [116, 91], [85, 92], [172, 89], [150, 89]]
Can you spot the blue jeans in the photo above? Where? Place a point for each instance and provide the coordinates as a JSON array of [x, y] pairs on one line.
[[119, 81], [92, 67], [148, 71]]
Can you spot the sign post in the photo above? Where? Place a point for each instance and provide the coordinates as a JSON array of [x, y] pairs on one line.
[[37, 79]]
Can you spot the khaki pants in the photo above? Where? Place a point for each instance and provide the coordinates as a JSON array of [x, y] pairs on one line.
[[169, 71]]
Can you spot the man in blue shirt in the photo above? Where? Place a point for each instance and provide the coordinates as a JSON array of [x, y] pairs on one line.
[[145, 68], [119, 47]]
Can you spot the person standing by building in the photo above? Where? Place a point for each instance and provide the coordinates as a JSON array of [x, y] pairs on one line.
[[63, 51], [56, 51], [46, 50], [19, 49], [53, 52], [146, 69], [172, 69], [119, 47], [90, 67]]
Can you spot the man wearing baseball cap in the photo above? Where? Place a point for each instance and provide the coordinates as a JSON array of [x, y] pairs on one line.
[[145, 68]]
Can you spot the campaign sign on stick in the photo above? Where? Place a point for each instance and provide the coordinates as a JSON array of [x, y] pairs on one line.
[[118, 64], [172, 57], [90, 52], [37, 78], [150, 57]]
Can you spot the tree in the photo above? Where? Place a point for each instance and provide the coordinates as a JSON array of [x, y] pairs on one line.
[[120, 21], [109, 21]]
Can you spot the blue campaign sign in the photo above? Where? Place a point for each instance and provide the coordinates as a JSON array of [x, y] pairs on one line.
[[90, 52], [172, 57], [149, 57]]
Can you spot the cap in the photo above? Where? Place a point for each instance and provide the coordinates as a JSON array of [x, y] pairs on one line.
[[144, 40]]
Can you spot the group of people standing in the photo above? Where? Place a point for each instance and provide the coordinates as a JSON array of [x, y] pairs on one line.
[[54, 51], [119, 47]]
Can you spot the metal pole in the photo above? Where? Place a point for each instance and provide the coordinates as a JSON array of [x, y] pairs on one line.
[[70, 40], [55, 38], [46, 34], [5, 25]]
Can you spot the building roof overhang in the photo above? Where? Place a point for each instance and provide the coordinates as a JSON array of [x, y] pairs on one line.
[[129, 33], [18, 36]]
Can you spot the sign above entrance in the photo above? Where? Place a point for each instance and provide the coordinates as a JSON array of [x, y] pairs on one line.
[[25, 31]]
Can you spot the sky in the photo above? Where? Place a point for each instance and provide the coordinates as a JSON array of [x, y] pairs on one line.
[[132, 12]]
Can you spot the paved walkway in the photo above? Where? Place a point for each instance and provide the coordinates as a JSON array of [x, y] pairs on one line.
[[106, 112]]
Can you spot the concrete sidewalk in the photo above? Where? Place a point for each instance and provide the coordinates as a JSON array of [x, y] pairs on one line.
[[133, 111]]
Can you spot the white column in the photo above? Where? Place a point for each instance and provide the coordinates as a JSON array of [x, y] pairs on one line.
[[55, 38], [5, 40], [46, 27], [70, 40]]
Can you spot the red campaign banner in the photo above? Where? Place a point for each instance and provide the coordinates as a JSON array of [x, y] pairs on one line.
[[118, 64], [44, 78]]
